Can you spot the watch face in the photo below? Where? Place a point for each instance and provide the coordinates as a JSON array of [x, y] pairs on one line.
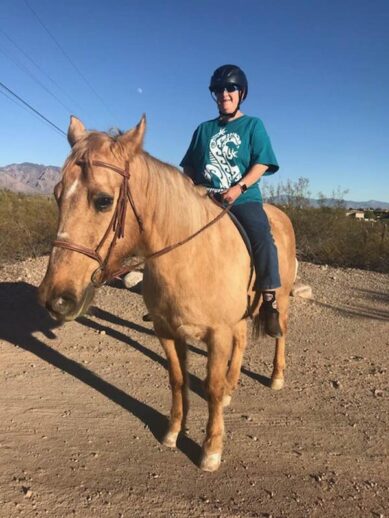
[[243, 187]]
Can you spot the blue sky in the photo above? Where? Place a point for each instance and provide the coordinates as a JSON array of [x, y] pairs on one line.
[[318, 74]]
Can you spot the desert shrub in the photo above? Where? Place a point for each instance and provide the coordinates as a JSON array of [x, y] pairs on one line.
[[324, 234], [27, 225], [327, 236]]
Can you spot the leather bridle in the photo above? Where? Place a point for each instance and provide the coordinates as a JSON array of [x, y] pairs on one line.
[[117, 224]]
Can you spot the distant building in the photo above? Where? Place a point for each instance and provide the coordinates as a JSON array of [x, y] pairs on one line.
[[356, 214]]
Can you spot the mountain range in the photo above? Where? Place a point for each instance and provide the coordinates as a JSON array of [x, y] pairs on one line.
[[31, 178]]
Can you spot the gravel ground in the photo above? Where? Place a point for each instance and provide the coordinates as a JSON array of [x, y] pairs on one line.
[[83, 407]]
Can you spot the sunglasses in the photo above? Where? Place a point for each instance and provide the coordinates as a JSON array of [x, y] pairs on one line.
[[229, 88]]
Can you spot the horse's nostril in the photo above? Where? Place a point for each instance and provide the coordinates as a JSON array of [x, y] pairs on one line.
[[62, 305]]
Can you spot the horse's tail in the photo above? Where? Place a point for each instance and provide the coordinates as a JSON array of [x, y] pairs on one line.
[[259, 323]]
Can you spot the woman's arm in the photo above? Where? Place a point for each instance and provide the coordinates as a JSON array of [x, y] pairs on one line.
[[252, 176]]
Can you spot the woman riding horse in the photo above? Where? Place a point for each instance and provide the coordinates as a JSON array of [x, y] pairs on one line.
[[229, 155]]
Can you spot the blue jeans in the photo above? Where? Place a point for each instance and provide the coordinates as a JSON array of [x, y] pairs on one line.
[[253, 219]]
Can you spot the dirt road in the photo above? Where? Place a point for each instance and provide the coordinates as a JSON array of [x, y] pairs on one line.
[[83, 407]]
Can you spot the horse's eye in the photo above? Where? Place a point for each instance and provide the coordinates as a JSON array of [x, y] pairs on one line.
[[103, 202]]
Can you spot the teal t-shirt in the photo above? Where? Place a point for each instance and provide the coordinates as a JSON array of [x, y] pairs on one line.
[[221, 154]]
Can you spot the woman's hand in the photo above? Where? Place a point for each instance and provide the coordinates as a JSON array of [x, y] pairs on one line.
[[231, 194]]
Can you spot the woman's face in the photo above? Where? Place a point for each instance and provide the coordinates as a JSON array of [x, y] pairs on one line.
[[227, 101]]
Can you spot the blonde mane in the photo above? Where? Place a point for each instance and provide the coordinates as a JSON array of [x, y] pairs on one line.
[[93, 142], [179, 206], [182, 207]]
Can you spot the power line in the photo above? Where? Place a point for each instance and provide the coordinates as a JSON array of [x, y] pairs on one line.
[[28, 72], [41, 70], [13, 100], [32, 109], [68, 58], [18, 104]]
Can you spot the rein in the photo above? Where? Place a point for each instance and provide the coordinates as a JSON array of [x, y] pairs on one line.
[[99, 276]]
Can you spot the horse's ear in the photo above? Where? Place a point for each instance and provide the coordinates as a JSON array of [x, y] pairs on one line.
[[76, 130], [141, 130], [134, 137]]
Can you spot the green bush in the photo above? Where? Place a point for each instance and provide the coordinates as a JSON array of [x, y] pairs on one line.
[[27, 225]]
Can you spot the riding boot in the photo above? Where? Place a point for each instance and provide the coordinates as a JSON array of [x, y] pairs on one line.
[[269, 315]]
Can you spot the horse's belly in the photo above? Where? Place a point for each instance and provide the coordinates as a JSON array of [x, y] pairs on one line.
[[192, 312]]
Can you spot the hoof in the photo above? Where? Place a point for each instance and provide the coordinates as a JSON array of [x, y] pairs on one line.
[[211, 462], [226, 400], [277, 383], [170, 439]]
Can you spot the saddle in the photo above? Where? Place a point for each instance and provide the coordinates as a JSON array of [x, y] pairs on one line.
[[239, 227], [244, 235]]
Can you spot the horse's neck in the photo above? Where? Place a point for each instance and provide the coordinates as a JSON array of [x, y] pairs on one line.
[[175, 210]]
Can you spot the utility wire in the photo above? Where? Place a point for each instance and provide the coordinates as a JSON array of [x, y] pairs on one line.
[[41, 70], [18, 104], [68, 57], [31, 108], [25, 69], [13, 100]]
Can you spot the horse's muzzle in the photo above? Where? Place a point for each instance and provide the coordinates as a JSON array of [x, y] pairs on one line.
[[62, 306], [65, 306]]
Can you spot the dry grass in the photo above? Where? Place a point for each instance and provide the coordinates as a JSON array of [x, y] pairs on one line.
[[327, 236], [27, 225], [324, 235]]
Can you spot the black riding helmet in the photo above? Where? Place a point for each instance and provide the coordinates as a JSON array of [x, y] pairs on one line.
[[229, 75]]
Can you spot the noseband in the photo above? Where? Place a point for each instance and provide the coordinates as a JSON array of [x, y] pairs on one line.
[[116, 225]]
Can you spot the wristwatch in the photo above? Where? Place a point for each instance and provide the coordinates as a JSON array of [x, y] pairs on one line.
[[243, 186]]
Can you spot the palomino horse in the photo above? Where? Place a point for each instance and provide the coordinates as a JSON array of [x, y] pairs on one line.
[[196, 290]]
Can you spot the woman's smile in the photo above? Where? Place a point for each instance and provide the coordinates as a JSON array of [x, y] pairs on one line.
[[228, 100]]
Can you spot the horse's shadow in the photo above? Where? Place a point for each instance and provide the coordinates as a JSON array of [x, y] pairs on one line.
[[21, 317], [195, 383]]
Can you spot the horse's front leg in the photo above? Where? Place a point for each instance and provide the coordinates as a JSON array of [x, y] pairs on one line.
[[176, 352], [219, 347]]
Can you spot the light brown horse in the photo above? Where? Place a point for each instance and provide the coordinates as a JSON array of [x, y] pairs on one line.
[[115, 200]]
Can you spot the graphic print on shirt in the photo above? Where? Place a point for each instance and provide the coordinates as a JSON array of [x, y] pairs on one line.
[[223, 148]]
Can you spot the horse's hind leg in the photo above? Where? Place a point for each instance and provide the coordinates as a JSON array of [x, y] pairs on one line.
[[238, 348], [176, 352], [277, 377], [219, 347]]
